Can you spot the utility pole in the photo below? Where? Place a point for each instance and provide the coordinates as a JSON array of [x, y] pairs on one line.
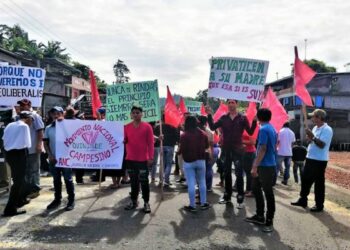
[[305, 40]]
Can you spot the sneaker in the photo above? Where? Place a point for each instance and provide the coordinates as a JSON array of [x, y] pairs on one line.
[[299, 203], [131, 206], [224, 201], [205, 206], [146, 208], [268, 227], [220, 184], [181, 180], [249, 194], [54, 204], [167, 185], [240, 199], [70, 206], [33, 195], [259, 220], [190, 209], [23, 203], [209, 190], [284, 182], [240, 205], [316, 209]]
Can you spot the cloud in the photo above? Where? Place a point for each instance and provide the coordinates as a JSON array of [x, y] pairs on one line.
[[172, 41]]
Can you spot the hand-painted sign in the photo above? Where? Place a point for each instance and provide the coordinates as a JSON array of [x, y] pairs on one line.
[[89, 144], [193, 106], [121, 98], [17, 82], [237, 78]]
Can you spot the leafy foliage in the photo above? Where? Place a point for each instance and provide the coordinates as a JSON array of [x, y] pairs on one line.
[[120, 71]]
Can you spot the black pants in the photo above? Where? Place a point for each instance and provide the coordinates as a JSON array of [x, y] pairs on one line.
[[235, 157], [264, 183], [138, 173], [314, 172], [17, 159], [247, 162]]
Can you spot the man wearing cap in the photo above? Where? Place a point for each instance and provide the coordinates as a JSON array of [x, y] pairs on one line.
[[316, 161], [50, 147], [32, 176], [16, 143]]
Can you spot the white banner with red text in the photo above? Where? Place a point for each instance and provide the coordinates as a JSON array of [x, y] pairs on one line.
[[89, 144]]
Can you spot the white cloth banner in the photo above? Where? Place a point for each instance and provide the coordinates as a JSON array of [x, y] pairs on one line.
[[237, 78], [89, 144], [18, 82]]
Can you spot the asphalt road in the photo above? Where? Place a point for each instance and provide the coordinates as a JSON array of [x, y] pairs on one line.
[[100, 222]]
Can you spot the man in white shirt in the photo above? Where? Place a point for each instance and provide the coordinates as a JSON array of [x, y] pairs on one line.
[[16, 143], [320, 139], [286, 138]]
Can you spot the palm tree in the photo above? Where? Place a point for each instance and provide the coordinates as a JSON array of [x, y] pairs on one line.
[[53, 50]]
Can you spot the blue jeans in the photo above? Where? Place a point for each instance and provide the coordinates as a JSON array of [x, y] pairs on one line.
[[168, 154], [57, 183], [195, 172], [155, 162], [286, 160], [209, 168]]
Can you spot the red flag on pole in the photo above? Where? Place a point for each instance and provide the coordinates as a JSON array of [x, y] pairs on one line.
[[171, 113], [95, 97], [182, 109], [222, 110], [279, 114], [250, 114], [302, 76], [203, 110]]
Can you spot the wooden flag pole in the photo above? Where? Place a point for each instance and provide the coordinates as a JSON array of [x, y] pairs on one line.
[[100, 180], [161, 162]]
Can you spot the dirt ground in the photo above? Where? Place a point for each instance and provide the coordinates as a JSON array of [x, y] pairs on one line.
[[338, 171]]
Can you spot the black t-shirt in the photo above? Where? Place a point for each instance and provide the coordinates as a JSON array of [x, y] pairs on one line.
[[171, 135], [299, 153]]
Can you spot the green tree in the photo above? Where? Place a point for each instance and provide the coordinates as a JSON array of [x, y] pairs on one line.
[[53, 50], [320, 66], [120, 71], [15, 39], [84, 69], [202, 96]]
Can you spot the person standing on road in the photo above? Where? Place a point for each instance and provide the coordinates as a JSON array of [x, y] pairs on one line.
[[263, 172], [32, 177], [139, 144], [298, 158], [193, 145], [16, 143], [286, 138], [50, 148], [171, 136], [320, 139], [232, 126]]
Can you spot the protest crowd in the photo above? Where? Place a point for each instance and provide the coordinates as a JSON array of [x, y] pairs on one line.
[[258, 145]]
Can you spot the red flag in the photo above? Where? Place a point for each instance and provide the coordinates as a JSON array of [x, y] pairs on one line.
[[279, 114], [222, 110], [182, 109], [172, 115], [251, 113], [95, 97], [203, 110], [302, 76]]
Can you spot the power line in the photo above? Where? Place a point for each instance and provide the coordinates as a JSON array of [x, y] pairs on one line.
[[38, 26]]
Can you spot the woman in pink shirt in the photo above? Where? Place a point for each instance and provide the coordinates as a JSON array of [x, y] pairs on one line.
[[139, 156]]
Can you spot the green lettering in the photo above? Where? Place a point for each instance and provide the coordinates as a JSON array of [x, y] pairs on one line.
[[212, 76], [239, 77], [260, 67]]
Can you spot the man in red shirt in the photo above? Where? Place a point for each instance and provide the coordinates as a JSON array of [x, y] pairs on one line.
[[139, 156]]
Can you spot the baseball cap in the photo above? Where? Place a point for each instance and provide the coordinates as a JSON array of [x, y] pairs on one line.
[[319, 113], [24, 102], [57, 108], [101, 110], [25, 114]]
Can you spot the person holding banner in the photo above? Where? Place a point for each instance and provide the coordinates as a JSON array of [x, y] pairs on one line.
[[232, 126], [36, 133], [50, 147], [16, 143], [139, 156]]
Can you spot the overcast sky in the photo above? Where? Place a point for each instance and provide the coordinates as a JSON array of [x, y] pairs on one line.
[[172, 41]]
